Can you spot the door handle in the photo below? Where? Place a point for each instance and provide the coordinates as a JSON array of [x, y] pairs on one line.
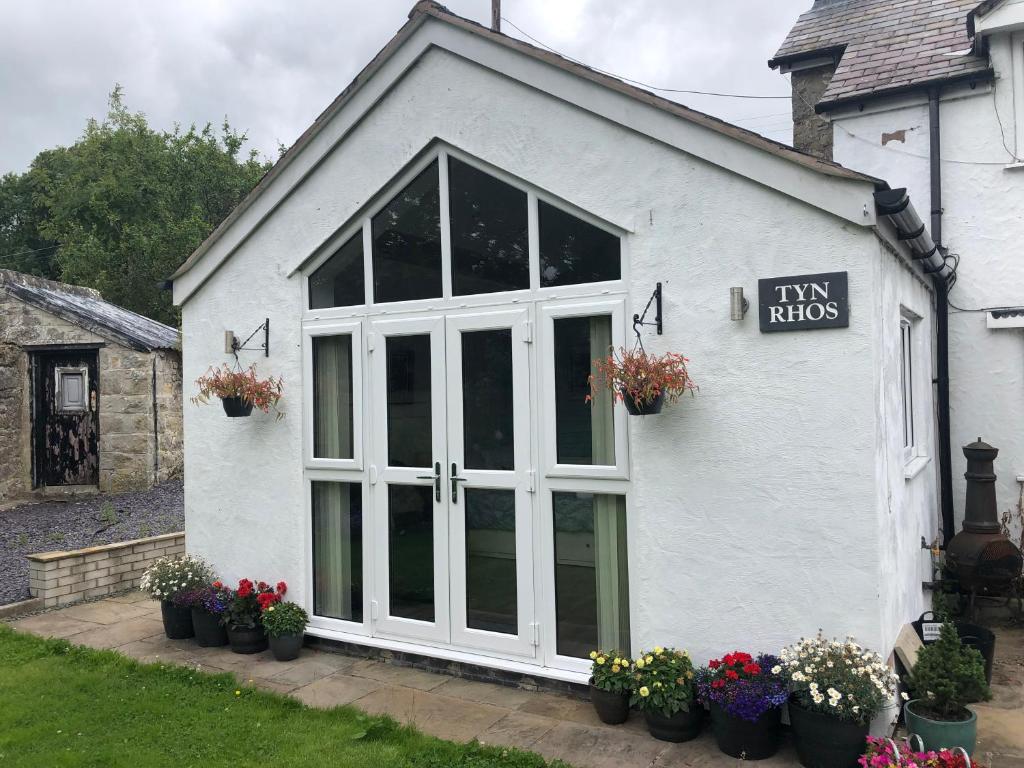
[[455, 483], [436, 477]]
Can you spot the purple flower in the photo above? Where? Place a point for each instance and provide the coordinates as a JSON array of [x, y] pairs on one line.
[[748, 697]]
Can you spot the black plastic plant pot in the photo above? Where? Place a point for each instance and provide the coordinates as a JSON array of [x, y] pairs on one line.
[[177, 621], [972, 635], [612, 708], [210, 633], [247, 639], [286, 647], [746, 739], [824, 741], [682, 726], [236, 407], [649, 408]]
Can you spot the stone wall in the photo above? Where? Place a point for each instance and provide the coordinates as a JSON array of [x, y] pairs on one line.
[[61, 578], [129, 455], [811, 132]]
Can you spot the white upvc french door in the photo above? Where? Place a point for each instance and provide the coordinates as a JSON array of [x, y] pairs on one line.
[[491, 481], [407, 479], [452, 480]]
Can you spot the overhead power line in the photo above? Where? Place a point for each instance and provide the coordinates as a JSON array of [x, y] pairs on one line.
[[638, 82]]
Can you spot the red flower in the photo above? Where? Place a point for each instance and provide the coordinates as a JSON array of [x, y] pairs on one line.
[[718, 683], [714, 663], [263, 586], [752, 668], [217, 585], [732, 674], [244, 588], [281, 587], [266, 599]]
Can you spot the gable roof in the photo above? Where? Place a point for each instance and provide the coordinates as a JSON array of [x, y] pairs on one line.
[[884, 46], [427, 10], [85, 308]]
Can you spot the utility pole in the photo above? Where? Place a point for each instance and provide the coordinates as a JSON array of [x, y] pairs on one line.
[[496, 15]]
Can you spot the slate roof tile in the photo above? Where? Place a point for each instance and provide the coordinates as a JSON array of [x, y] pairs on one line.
[[886, 44]]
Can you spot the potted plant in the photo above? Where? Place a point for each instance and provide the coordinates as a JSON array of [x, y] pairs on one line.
[[835, 690], [946, 678], [285, 624], [243, 614], [239, 390], [745, 696], [887, 753], [663, 690], [643, 382], [208, 605], [610, 683], [168, 578]]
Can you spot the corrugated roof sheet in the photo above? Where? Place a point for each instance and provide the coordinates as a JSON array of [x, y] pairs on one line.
[[886, 44], [86, 308]]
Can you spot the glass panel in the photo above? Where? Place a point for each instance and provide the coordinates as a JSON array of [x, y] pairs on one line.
[[591, 573], [584, 432], [491, 560], [407, 242], [573, 251], [338, 550], [338, 282], [411, 551], [489, 242], [487, 399], [409, 417], [332, 397]]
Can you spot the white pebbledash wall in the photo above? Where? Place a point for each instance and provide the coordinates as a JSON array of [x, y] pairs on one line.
[[982, 223], [764, 508]]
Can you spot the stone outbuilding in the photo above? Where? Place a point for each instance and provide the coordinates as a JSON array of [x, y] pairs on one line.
[[90, 392]]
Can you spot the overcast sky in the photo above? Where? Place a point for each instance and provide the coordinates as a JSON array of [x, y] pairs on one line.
[[271, 66]]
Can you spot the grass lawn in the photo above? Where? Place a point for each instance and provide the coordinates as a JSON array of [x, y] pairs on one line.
[[63, 705]]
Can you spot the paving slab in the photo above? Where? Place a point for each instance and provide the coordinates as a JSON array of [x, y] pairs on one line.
[[485, 693], [135, 596], [52, 625], [106, 611], [441, 716], [110, 636], [306, 670], [335, 691], [408, 677], [1000, 731], [518, 729], [598, 747]]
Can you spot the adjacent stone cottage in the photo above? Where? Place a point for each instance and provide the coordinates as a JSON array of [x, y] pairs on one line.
[[90, 393]]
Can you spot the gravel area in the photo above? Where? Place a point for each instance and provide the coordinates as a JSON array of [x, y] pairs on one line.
[[63, 525]]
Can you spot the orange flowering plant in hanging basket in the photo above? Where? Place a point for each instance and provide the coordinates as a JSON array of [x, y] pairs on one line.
[[245, 385], [642, 381]]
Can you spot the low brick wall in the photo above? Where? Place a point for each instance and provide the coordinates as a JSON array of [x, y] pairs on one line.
[[60, 578]]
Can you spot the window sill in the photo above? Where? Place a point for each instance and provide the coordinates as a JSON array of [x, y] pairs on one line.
[[914, 467], [1013, 166]]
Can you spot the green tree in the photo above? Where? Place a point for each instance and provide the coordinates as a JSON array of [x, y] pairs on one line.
[[127, 204]]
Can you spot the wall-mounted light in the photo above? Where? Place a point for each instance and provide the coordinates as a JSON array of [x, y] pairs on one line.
[[738, 305]]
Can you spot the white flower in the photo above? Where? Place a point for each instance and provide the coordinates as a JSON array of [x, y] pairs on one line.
[[776, 669], [833, 702], [903, 695]]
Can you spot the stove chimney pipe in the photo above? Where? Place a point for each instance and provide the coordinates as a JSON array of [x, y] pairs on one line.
[[980, 512], [496, 15]]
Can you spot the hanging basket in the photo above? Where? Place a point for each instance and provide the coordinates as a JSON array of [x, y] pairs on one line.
[[236, 407], [649, 408]]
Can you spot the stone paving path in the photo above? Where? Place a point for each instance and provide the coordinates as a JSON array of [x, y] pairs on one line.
[[555, 726]]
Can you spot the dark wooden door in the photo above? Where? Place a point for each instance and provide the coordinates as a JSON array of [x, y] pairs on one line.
[[66, 422]]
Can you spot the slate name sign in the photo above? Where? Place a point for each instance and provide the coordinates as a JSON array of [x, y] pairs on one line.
[[803, 302]]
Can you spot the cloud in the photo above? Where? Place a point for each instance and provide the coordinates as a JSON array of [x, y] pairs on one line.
[[271, 67]]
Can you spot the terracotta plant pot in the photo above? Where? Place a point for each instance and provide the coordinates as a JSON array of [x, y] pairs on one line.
[[747, 739], [177, 621], [286, 647], [236, 407], [247, 639], [682, 726], [647, 409], [823, 741], [942, 734], [210, 633], [611, 708]]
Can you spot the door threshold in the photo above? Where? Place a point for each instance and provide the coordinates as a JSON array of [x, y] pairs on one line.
[[448, 661]]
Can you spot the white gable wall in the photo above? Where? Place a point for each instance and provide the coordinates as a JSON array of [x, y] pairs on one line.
[[981, 199], [753, 515]]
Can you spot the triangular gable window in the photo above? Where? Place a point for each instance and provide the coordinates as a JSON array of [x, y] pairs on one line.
[[338, 282], [573, 251]]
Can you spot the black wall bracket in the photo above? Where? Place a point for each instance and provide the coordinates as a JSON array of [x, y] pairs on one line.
[[237, 346], [641, 319]]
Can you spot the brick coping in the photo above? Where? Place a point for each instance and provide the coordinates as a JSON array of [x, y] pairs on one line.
[[45, 557]]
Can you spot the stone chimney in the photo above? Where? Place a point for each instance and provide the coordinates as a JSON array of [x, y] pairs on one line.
[[812, 132]]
